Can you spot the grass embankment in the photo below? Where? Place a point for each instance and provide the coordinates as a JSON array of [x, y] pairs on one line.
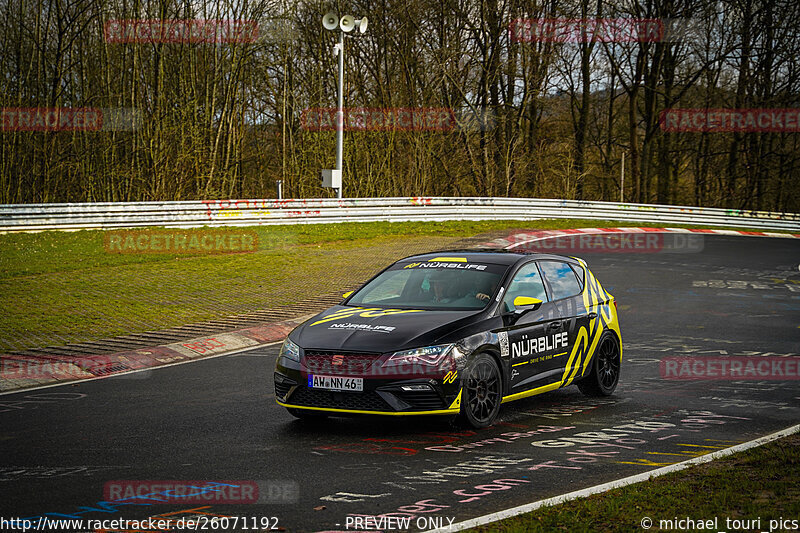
[[760, 483], [62, 287]]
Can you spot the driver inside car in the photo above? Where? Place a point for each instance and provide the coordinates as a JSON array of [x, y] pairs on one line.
[[460, 294]]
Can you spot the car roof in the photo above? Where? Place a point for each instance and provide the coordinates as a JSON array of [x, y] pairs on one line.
[[489, 255]]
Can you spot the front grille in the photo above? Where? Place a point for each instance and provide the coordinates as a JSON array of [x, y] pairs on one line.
[[281, 389], [424, 400], [360, 401], [282, 385], [350, 364]]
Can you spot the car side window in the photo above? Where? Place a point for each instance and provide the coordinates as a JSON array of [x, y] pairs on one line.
[[526, 282], [561, 278], [580, 273]]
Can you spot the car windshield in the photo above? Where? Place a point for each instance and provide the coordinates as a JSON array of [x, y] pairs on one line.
[[453, 284]]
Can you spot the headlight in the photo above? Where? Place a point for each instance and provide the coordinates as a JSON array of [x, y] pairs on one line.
[[429, 356], [290, 350]]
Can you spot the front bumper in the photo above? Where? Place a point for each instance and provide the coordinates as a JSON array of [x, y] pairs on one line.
[[435, 391]]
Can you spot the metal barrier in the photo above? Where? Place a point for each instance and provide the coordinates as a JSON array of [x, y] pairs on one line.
[[38, 217]]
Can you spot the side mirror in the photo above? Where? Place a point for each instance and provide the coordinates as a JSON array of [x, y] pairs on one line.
[[347, 294], [526, 303]]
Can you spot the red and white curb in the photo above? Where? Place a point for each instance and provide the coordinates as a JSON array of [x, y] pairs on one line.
[[20, 373], [630, 480]]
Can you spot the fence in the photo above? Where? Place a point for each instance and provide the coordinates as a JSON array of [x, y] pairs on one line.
[[37, 217]]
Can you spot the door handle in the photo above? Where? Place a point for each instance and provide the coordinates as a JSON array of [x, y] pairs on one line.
[[591, 315], [555, 325]]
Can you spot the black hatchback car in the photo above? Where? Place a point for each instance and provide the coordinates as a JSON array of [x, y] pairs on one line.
[[454, 333]]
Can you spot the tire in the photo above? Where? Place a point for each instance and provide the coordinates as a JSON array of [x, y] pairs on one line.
[[306, 414], [604, 376], [482, 392]]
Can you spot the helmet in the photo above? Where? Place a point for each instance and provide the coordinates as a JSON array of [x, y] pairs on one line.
[[439, 276]]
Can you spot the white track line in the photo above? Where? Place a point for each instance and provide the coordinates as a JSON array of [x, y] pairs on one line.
[[644, 476], [84, 380]]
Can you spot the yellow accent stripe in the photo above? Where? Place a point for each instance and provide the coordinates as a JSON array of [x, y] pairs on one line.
[[560, 354], [344, 313], [449, 259], [457, 402], [354, 411], [592, 349], [532, 392], [522, 363], [450, 411], [581, 343]]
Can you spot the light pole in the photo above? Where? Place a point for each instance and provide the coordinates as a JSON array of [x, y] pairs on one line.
[[346, 24], [340, 110]]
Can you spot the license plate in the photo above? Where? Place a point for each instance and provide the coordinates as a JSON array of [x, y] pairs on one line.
[[337, 383]]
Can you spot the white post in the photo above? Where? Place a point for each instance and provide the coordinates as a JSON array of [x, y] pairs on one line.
[[622, 180]]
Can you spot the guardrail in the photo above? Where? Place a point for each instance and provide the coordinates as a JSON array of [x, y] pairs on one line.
[[38, 217]]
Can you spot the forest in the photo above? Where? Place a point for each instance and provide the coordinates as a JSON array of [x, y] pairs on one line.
[[519, 98]]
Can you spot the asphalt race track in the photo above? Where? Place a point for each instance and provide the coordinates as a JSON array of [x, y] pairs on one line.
[[75, 451]]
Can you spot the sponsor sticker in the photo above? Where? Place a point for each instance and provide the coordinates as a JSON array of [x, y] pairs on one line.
[[446, 264], [502, 338], [538, 345], [349, 326]]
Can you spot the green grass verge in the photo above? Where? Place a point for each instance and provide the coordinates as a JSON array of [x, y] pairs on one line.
[[760, 483], [62, 287]]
